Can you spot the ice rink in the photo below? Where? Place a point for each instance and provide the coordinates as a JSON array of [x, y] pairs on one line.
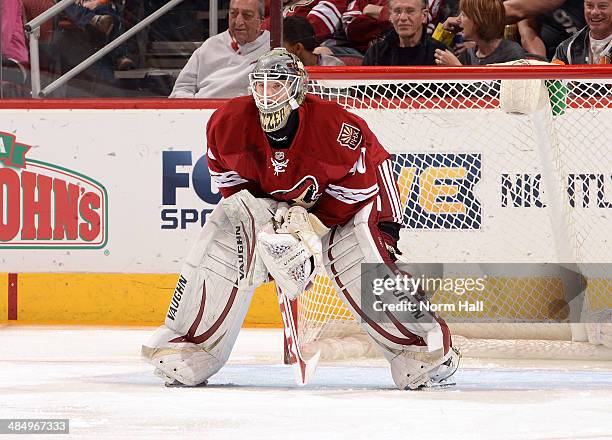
[[95, 378]]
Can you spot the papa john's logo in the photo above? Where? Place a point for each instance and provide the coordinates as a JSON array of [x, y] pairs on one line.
[[47, 206], [349, 136]]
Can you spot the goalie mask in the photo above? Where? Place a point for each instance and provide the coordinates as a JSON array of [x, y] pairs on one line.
[[278, 84]]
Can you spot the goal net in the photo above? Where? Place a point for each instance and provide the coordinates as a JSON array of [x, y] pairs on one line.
[[495, 171]]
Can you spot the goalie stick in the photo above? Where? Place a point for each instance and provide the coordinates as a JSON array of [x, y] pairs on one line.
[[302, 368], [289, 245]]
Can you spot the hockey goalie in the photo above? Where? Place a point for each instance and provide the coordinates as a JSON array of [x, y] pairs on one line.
[[305, 185]]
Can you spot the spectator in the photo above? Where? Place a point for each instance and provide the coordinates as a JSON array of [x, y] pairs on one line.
[[407, 44], [367, 20], [529, 35], [323, 15], [103, 17], [84, 15], [220, 67], [299, 39], [593, 44], [13, 53], [556, 20], [483, 23]]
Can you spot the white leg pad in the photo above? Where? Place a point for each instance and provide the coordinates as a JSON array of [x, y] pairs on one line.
[[206, 309], [248, 215], [345, 248]]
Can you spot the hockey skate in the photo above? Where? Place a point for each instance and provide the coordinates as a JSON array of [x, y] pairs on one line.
[[420, 370], [179, 367], [171, 382]]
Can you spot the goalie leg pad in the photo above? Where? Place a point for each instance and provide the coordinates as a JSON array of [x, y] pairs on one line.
[[399, 337], [357, 242], [206, 310], [248, 215]]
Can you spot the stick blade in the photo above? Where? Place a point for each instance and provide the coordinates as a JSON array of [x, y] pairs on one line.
[[304, 370]]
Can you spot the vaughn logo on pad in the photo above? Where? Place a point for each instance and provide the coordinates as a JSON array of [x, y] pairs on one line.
[[48, 206]]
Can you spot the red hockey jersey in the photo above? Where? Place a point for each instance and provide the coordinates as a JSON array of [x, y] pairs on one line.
[[323, 15], [330, 167]]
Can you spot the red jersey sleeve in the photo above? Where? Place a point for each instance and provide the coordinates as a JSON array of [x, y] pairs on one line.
[[323, 15], [362, 28], [227, 180], [344, 197]]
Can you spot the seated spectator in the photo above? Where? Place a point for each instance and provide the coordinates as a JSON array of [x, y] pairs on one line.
[[529, 38], [83, 15], [407, 44], [323, 15], [367, 20], [299, 39], [593, 44], [103, 17], [14, 54], [483, 22], [220, 67]]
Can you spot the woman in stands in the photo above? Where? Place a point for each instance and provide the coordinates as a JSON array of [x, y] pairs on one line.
[[482, 22]]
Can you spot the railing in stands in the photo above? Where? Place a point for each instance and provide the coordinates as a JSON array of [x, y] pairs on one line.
[[33, 30]]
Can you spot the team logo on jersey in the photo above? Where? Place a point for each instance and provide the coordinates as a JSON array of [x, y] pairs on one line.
[[305, 193], [279, 162], [349, 136]]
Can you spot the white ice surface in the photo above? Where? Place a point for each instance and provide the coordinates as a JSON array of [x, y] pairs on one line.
[[95, 378]]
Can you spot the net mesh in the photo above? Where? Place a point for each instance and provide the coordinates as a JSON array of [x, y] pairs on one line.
[[479, 185]]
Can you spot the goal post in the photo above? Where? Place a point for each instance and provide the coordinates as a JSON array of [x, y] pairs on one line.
[[481, 184]]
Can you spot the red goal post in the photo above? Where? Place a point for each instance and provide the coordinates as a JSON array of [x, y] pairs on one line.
[[484, 185]]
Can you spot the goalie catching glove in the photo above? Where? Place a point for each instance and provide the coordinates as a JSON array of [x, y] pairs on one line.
[[292, 250]]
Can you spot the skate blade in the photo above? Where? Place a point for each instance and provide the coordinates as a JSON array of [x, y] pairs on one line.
[[432, 386], [176, 384]]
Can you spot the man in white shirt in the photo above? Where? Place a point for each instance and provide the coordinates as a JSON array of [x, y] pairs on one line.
[[593, 44], [220, 67]]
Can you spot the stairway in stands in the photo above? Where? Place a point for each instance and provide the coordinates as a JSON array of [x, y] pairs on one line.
[[165, 47]]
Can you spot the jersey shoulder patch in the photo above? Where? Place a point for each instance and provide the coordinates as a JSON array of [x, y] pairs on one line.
[[349, 136]]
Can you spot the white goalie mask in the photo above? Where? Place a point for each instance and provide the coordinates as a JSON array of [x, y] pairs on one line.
[[278, 84]]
